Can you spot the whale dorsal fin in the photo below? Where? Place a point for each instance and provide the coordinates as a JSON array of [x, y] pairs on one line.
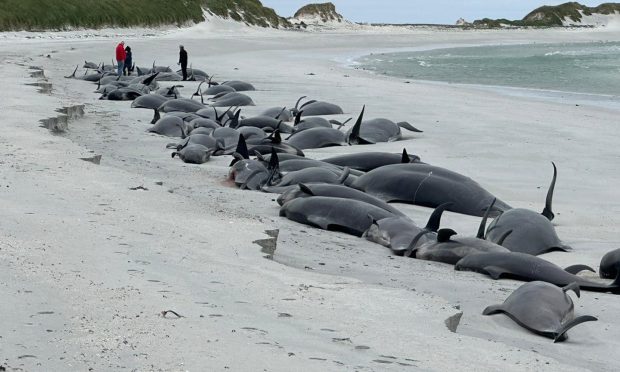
[[444, 235], [198, 89], [150, 79], [275, 137], [307, 103], [280, 113], [234, 122], [411, 250], [297, 118], [405, 157], [73, 74], [305, 189], [483, 223], [435, 219], [299, 100], [339, 124], [273, 168], [344, 175], [572, 287], [242, 147], [576, 269], [354, 136], [503, 237], [547, 212]]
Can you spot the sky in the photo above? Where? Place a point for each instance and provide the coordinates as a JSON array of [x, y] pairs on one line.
[[422, 11]]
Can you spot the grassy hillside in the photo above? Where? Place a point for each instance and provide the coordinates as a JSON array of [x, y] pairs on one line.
[[551, 16], [35, 15], [62, 14], [325, 11], [249, 11]]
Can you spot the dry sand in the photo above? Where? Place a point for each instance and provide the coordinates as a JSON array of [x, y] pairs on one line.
[[87, 264]]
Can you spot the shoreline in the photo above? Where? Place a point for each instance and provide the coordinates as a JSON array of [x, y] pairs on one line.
[[603, 100], [187, 244]]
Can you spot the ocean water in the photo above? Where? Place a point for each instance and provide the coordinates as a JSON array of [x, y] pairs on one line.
[[592, 68]]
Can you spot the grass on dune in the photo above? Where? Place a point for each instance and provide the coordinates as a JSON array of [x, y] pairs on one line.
[[38, 15]]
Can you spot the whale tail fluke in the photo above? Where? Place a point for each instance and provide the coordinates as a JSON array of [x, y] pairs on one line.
[[560, 334]]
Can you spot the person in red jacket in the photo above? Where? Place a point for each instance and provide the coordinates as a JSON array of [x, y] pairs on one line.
[[120, 57]]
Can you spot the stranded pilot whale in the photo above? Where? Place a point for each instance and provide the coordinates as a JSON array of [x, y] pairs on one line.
[[542, 308]]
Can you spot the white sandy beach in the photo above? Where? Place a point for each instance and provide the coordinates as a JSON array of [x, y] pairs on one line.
[[87, 265]]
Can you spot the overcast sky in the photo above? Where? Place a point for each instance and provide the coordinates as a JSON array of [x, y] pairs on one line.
[[422, 11]]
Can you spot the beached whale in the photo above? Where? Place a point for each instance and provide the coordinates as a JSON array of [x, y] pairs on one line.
[[306, 190], [216, 146], [95, 76], [265, 123], [195, 74], [228, 137], [171, 126], [316, 108], [170, 92], [315, 121], [542, 308], [122, 94], [292, 165], [150, 101], [367, 161], [239, 86], [243, 171], [525, 267], [610, 265], [376, 130], [315, 138], [181, 104], [450, 250], [337, 214], [193, 154], [204, 123], [232, 99], [307, 175], [428, 186], [401, 234], [252, 133], [217, 89], [532, 232], [278, 113]]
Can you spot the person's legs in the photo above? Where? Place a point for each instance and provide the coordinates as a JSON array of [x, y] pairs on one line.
[[119, 71], [184, 70]]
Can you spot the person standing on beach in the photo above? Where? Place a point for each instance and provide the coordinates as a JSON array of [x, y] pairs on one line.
[[183, 61], [120, 57], [128, 61]]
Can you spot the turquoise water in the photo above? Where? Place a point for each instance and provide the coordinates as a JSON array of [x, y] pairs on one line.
[[577, 67]]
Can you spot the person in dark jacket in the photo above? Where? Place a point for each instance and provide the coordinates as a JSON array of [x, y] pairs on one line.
[[183, 61], [128, 61]]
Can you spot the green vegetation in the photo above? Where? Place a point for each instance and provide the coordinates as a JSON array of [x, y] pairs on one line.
[[551, 16], [39, 15], [64, 14], [326, 11], [251, 12]]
